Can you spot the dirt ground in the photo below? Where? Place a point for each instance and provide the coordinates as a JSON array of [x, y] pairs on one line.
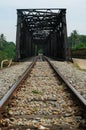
[[81, 63]]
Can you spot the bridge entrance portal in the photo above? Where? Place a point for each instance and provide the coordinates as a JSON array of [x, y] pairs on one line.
[[41, 30]]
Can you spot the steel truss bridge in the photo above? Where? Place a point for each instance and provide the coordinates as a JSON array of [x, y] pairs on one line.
[[42, 30]]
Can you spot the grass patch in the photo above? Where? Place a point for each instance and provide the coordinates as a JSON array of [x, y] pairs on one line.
[[7, 108], [36, 92], [77, 66], [64, 85]]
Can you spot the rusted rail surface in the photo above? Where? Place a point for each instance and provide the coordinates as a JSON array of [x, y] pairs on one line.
[[73, 90], [8, 95]]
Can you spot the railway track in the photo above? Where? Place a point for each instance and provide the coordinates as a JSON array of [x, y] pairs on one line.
[[73, 75], [8, 76], [42, 100]]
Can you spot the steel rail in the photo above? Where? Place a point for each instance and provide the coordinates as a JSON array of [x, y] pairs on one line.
[[73, 90], [14, 87]]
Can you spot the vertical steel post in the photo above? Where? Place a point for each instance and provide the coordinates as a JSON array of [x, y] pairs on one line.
[[64, 31], [18, 35]]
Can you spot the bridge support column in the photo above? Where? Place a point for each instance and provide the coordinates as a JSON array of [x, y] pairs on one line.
[[64, 35], [18, 35]]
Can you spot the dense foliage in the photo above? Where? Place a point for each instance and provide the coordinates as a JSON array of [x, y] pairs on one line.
[[7, 49], [77, 41]]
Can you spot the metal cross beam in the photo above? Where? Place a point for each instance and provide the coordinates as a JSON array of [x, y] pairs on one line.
[[40, 19]]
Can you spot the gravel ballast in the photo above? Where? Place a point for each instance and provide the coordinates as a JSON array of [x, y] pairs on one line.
[[75, 76], [9, 75], [42, 102]]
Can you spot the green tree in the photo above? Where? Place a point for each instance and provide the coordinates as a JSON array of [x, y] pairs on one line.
[[7, 49], [82, 38], [2, 40], [76, 41], [74, 37]]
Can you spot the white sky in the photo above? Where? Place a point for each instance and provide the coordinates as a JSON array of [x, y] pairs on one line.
[[76, 14]]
